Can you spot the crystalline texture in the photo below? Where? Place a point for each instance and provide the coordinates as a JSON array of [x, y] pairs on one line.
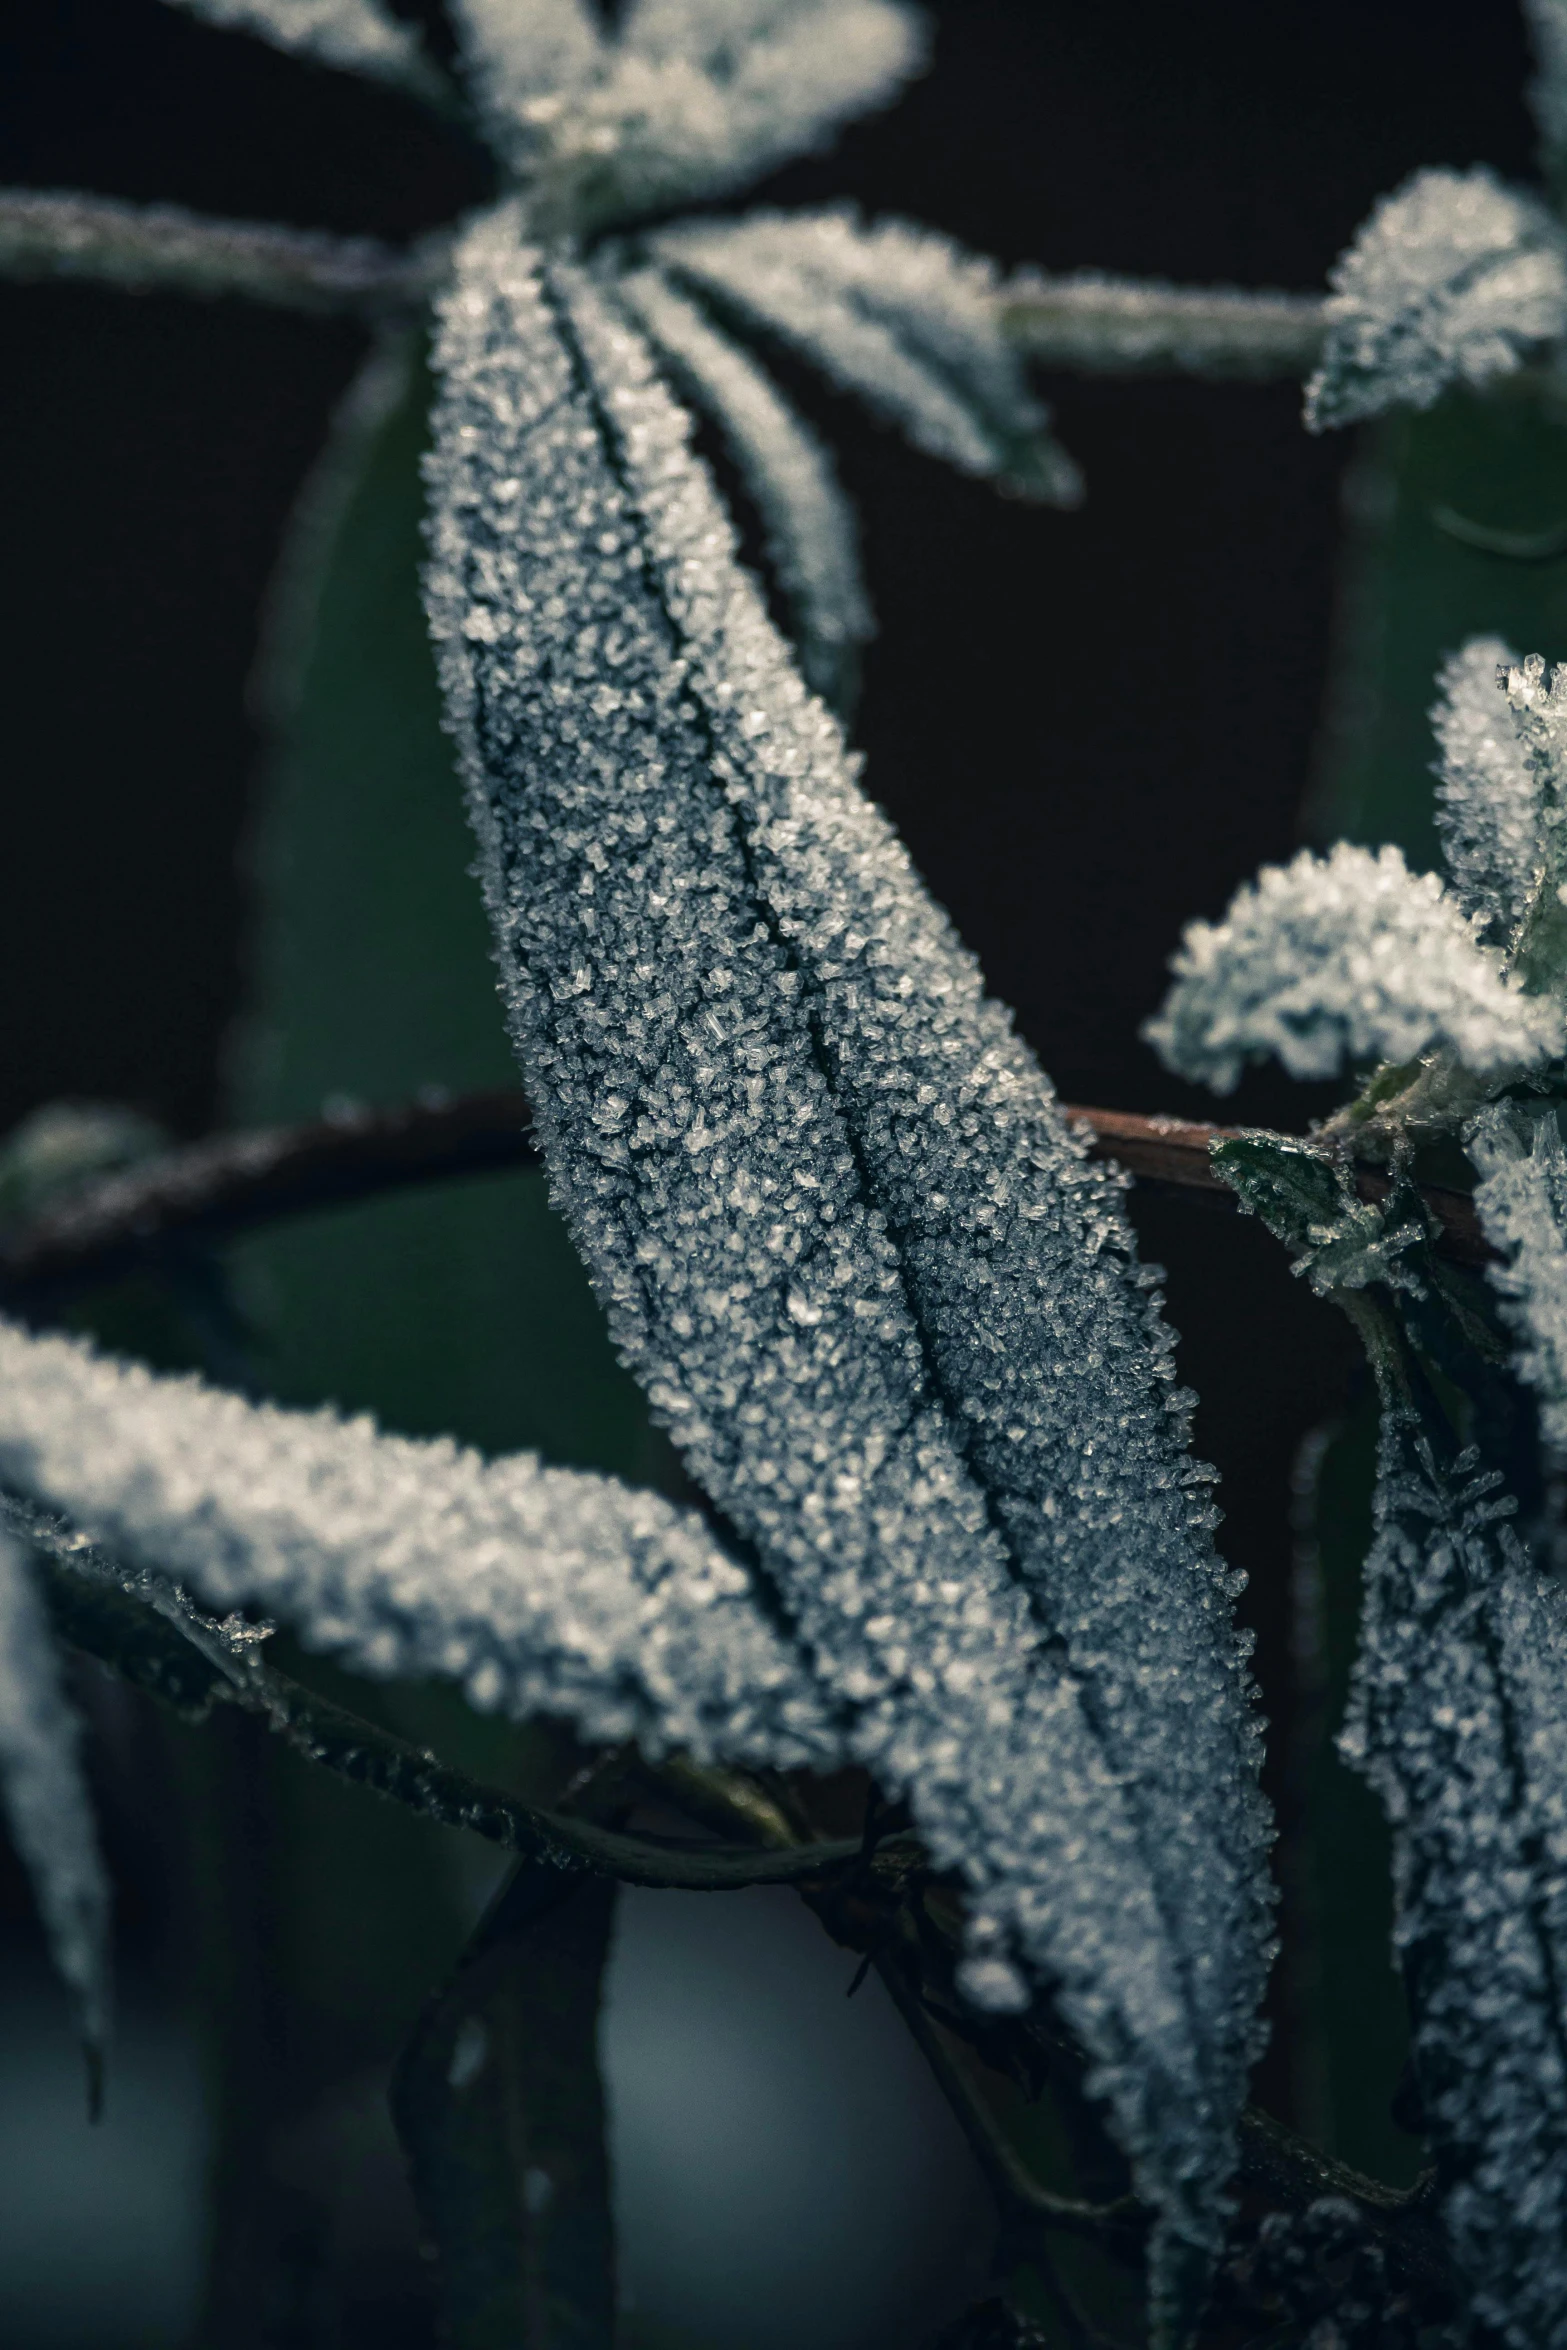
[[899, 316], [1459, 1720], [538, 1590], [357, 34], [1488, 794], [1453, 279], [1521, 1201], [808, 524], [1347, 957], [844, 1238], [45, 1801], [695, 97]]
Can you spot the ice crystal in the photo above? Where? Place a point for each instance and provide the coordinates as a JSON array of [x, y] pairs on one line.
[[1488, 793], [693, 98], [844, 1237], [808, 524], [45, 1801], [538, 1590], [1453, 279], [1459, 1720], [1521, 1201], [898, 315], [358, 34], [1347, 957]]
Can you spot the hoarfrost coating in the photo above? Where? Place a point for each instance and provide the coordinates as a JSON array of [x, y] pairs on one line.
[[538, 1590], [693, 98], [1459, 1720], [1488, 793], [1347, 957], [845, 1240], [1521, 1200], [898, 315], [45, 1799], [1453, 279]]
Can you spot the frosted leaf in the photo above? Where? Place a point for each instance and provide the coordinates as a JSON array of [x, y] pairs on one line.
[[887, 1310], [696, 96], [807, 521], [1458, 1718], [357, 34], [525, 60], [898, 315], [538, 1590], [1521, 1201], [1547, 22], [1347, 957], [1488, 794], [44, 1798], [1453, 279]]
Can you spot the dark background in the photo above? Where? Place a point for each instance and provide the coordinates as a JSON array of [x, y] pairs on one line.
[[1090, 727]]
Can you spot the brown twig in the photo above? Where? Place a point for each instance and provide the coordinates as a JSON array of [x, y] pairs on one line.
[[234, 1182]]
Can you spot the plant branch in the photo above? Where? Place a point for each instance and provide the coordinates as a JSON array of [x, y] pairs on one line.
[[234, 1182], [1115, 326], [194, 1662], [160, 248]]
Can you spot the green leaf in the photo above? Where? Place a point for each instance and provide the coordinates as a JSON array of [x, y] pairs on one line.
[[1415, 585], [498, 2102]]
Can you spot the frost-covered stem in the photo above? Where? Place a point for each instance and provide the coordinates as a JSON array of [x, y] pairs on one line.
[[1115, 326], [105, 1621], [234, 1182], [160, 248]]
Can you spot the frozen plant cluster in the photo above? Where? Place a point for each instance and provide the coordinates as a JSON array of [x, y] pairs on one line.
[[1521, 1200], [357, 34], [1344, 958], [1489, 810]]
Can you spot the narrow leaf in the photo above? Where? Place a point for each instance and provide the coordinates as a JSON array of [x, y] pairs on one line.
[[1547, 22], [499, 2104], [808, 523], [1348, 957], [359, 35], [538, 1590], [898, 315], [1453, 279], [45, 1799], [1459, 1721], [888, 1312]]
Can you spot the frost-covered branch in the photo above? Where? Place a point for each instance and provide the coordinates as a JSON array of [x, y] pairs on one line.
[[161, 248], [1101, 325]]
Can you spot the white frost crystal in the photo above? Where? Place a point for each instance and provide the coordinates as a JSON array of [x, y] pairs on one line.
[[889, 1313], [1459, 1720], [898, 315], [357, 34], [46, 1804], [695, 97], [1347, 957], [539, 1590], [1488, 792], [1453, 279], [1521, 1201], [807, 521]]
